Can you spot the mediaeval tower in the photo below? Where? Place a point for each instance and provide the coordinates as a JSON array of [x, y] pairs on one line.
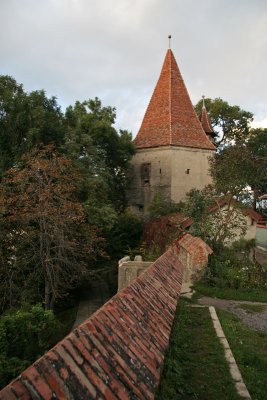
[[172, 148]]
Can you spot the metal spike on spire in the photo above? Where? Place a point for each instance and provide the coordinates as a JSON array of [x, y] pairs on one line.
[[169, 37], [203, 101]]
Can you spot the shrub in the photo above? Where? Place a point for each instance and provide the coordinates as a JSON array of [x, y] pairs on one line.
[[160, 206], [232, 268], [25, 334], [124, 236]]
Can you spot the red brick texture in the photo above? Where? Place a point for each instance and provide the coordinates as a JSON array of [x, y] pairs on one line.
[[197, 250], [118, 352], [170, 118]]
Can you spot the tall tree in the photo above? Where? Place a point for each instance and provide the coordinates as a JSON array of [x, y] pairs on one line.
[[230, 123], [13, 120], [26, 120], [45, 232], [256, 163], [241, 169], [93, 141]]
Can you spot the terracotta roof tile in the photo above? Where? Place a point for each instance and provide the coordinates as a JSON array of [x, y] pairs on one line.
[[170, 118], [118, 352], [205, 121]]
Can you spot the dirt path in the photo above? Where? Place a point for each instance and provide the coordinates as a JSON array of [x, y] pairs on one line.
[[254, 320], [91, 301]]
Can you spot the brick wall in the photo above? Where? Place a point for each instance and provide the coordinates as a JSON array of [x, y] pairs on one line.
[[117, 353]]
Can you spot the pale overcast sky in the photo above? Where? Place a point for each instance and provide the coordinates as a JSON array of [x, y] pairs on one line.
[[114, 49]]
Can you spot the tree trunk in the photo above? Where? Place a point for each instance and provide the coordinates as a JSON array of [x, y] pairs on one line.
[[47, 294]]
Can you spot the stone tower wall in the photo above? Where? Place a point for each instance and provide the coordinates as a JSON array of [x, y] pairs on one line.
[[190, 169], [158, 179], [170, 170]]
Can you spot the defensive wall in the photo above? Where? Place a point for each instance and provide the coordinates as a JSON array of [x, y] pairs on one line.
[[118, 353]]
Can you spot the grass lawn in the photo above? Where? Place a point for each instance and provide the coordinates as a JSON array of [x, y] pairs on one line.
[[252, 308], [232, 294], [250, 351], [195, 366]]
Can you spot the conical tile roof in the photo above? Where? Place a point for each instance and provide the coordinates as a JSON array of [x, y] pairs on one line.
[[170, 118], [205, 121]]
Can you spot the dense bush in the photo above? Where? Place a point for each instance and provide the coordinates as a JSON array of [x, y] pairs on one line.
[[233, 268], [125, 236], [25, 335], [160, 206]]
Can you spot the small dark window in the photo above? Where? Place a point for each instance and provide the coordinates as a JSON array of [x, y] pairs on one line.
[[145, 173], [141, 208], [187, 171], [160, 170]]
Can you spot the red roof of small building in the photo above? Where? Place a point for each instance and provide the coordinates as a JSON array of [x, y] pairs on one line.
[[180, 220], [170, 118], [255, 215]]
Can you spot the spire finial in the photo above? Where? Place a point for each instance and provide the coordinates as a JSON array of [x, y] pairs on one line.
[[203, 101], [169, 37]]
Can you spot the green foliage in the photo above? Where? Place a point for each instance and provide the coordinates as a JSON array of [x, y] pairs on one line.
[[228, 173], [241, 169], [240, 166], [258, 295], [85, 174], [229, 122], [160, 207], [218, 221], [252, 308], [125, 236], [104, 153], [25, 335], [256, 164], [47, 238], [26, 120], [232, 269]]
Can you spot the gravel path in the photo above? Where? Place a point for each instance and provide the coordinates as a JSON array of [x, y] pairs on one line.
[[255, 320]]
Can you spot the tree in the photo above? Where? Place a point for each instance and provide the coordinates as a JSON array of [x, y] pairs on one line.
[[92, 140], [217, 220], [241, 169], [256, 163], [26, 120], [160, 206], [24, 336], [227, 171], [230, 122], [13, 120], [45, 233], [240, 166]]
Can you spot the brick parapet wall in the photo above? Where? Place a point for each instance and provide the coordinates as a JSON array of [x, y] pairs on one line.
[[117, 353], [191, 251]]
